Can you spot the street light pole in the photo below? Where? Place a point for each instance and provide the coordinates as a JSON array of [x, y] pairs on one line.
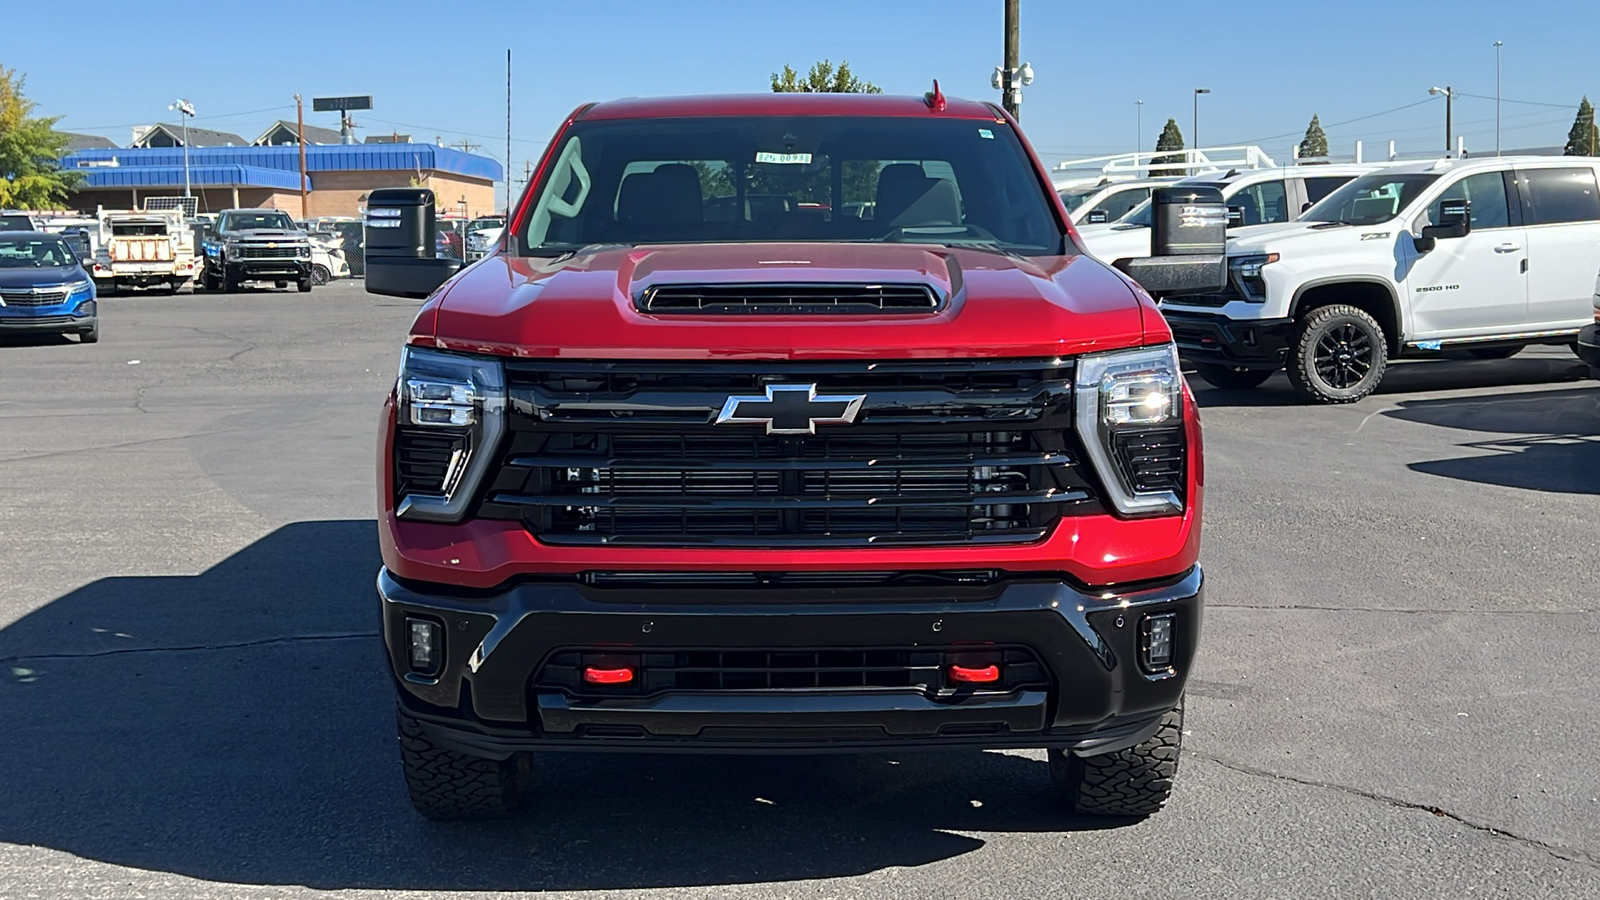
[[185, 111], [1195, 134], [1497, 46], [1138, 120]]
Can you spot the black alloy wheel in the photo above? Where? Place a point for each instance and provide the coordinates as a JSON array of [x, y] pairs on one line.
[[1339, 355]]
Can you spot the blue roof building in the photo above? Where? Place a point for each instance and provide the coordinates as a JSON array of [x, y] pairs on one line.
[[338, 176]]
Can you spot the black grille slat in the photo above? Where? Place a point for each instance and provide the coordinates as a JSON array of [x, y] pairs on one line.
[[777, 669], [1153, 459], [422, 459], [32, 299], [789, 299]]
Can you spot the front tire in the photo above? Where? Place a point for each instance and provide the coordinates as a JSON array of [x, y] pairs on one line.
[[320, 274], [451, 786], [92, 334], [230, 282], [1235, 378], [1339, 355], [1133, 782]]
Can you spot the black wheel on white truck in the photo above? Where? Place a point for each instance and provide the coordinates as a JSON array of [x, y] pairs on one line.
[[1338, 354]]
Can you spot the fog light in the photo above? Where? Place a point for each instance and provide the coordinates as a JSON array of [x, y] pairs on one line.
[[425, 649], [1157, 641]]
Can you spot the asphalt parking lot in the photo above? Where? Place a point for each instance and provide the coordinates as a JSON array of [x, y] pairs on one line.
[[1397, 693]]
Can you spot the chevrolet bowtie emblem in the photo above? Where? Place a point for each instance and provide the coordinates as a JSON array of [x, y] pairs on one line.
[[791, 409]]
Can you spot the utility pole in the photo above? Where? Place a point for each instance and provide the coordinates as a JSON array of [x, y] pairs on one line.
[[1449, 97], [300, 135], [1009, 93], [508, 131], [1194, 135]]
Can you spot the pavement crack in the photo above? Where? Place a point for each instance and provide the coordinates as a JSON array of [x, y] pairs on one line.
[[120, 446], [1566, 854], [186, 648]]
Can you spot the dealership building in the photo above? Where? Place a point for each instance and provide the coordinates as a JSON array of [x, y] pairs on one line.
[[338, 177]]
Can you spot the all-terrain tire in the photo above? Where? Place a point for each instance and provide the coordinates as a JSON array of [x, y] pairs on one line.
[[1338, 355], [209, 281], [1494, 352], [305, 285], [452, 786], [1236, 378], [1132, 782], [230, 282]]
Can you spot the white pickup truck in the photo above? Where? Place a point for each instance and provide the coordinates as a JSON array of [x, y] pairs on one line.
[[143, 249], [1486, 255]]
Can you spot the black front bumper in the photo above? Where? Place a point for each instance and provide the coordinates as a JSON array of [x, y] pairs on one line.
[[490, 697], [62, 324], [1212, 338], [1588, 345], [270, 269]]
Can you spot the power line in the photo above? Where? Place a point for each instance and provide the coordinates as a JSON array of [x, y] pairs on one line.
[[1290, 134], [252, 112], [1523, 102]]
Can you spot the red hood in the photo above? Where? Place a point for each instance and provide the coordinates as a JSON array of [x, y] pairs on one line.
[[582, 307]]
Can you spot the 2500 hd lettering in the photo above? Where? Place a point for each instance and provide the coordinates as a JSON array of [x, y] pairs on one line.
[[785, 423]]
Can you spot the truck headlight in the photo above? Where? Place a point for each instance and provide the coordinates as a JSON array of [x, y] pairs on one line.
[[1130, 417], [1245, 272], [450, 417]]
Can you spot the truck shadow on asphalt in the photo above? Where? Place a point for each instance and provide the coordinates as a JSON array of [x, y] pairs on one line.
[[1453, 372], [1551, 439], [237, 726]]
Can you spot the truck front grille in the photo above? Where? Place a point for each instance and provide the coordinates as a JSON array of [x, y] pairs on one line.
[[939, 453], [246, 251]]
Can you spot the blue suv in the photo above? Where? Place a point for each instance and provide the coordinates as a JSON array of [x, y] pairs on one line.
[[43, 288]]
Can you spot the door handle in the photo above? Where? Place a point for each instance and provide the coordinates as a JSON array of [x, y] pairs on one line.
[[1507, 248]]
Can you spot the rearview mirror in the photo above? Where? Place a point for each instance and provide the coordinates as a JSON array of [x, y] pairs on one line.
[[400, 231], [1187, 239], [1455, 221]]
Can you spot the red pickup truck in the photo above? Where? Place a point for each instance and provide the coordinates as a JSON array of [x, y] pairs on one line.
[[674, 471]]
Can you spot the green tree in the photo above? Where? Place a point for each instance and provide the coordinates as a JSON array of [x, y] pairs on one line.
[[1171, 139], [1583, 139], [31, 176], [1315, 144], [822, 79]]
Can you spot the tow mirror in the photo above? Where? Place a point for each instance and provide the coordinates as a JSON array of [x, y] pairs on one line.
[[1455, 221], [400, 231], [1187, 239], [1098, 217], [1235, 216]]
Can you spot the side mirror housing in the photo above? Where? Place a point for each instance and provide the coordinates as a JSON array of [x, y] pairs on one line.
[[1455, 222], [1187, 240], [400, 232], [1235, 216], [1098, 217]]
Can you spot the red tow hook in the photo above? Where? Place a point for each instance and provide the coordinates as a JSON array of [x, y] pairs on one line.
[[975, 675], [595, 675]]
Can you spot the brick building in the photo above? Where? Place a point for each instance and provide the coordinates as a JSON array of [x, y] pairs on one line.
[[339, 176]]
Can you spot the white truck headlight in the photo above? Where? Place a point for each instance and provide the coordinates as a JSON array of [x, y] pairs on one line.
[[1130, 418], [1245, 272], [450, 418]]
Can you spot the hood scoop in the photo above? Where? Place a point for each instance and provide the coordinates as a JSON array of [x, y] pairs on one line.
[[802, 299]]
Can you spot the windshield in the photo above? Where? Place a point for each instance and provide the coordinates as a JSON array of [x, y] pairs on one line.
[[1370, 199], [15, 223], [477, 225], [1075, 199], [34, 253], [250, 221], [810, 178]]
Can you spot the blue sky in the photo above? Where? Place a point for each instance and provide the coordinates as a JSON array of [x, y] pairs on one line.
[[438, 69]]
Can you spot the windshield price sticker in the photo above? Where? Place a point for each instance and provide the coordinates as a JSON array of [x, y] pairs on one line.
[[784, 159]]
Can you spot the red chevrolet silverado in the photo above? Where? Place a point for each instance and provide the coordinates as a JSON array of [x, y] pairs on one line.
[[885, 463]]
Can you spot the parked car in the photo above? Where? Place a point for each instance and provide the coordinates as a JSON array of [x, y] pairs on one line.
[[256, 245], [775, 481], [144, 248], [1108, 201], [1254, 197], [1485, 255], [44, 288], [482, 234]]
